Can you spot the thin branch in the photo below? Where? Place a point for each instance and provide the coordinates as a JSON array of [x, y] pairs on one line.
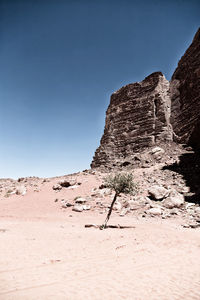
[[108, 226]]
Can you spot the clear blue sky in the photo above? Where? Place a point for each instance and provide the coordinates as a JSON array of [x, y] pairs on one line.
[[61, 60]]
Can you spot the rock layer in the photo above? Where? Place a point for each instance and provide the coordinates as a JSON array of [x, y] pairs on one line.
[[142, 114], [185, 96], [137, 117]]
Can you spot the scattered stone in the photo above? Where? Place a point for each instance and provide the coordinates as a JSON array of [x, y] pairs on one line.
[[105, 192], [197, 210], [156, 211], [20, 179], [65, 183], [102, 186], [157, 150], [124, 211], [80, 200], [175, 199], [117, 206], [132, 205], [158, 192], [78, 208], [174, 211], [68, 183], [189, 205], [66, 204], [86, 207], [183, 189], [10, 192], [153, 204], [145, 165], [101, 192], [56, 187], [21, 190], [165, 216], [191, 225], [73, 187]]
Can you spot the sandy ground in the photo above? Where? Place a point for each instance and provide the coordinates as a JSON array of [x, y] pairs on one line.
[[46, 253]]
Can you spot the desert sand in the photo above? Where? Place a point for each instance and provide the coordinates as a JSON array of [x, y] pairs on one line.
[[47, 253]]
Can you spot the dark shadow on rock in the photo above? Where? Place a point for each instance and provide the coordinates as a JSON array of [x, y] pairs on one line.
[[189, 167], [194, 139]]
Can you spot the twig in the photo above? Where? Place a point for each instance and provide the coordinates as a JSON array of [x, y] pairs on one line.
[[108, 226]]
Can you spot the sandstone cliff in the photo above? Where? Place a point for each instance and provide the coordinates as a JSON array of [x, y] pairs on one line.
[[142, 114], [137, 117], [185, 96]]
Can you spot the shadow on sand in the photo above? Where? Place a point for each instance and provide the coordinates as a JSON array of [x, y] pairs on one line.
[[189, 168]]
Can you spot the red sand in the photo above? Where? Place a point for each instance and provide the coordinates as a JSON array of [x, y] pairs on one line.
[[46, 253]]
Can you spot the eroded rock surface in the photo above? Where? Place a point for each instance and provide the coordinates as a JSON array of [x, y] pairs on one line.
[[185, 96], [137, 117], [153, 111]]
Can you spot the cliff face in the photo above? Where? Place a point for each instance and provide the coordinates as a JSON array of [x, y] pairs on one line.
[[137, 117], [142, 114], [185, 96]]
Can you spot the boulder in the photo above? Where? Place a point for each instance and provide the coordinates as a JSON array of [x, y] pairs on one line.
[[66, 204], [157, 150], [86, 207], [183, 189], [78, 208], [21, 190], [57, 187], [117, 206], [155, 211], [197, 210], [175, 199], [124, 211], [66, 183], [105, 192], [158, 192], [189, 205], [132, 204], [80, 200]]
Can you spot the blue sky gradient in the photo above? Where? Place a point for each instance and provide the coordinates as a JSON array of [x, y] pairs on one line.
[[61, 60]]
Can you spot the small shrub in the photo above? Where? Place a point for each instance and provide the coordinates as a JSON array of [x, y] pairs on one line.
[[120, 183]]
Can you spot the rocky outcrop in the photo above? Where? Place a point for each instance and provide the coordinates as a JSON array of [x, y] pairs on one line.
[[137, 117], [142, 114], [185, 96]]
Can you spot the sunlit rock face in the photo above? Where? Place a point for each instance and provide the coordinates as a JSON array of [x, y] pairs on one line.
[[153, 111], [137, 117], [185, 96]]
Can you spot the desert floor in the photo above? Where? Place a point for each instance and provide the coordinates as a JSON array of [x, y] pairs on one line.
[[46, 253]]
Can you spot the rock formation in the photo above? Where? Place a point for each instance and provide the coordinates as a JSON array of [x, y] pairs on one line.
[[185, 96], [142, 114], [137, 117]]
